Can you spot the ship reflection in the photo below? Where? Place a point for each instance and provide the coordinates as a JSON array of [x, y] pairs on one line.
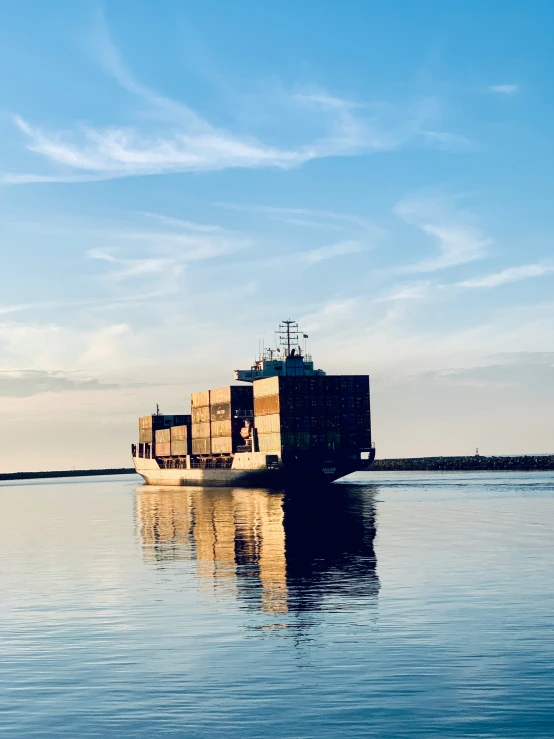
[[276, 551]]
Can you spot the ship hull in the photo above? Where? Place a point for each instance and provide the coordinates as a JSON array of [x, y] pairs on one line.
[[315, 473]]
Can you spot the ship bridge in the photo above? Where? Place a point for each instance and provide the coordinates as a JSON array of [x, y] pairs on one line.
[[289, 358]]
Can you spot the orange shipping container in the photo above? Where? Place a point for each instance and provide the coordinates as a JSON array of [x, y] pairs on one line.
[[266, 406]]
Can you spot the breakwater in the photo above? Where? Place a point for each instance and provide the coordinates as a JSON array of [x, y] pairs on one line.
[[510, 464], [65, 473]]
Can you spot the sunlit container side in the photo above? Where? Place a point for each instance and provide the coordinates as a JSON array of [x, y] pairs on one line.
[[163, 436], [222, 428], [269, 442], [266, 405], [200, 399], [149, 424], [220, 395], [230, 401], [230, 394], [268, 424], [146, 436], [179, 433], [201, 430], [266, 386], [180, 447], [201, 446], [222, 445], [163, 450], [201, 414]]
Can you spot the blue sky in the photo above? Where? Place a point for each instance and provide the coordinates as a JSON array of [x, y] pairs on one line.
[[176, 178]]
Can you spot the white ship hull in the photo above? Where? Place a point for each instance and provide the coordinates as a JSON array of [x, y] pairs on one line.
[[248, 470]]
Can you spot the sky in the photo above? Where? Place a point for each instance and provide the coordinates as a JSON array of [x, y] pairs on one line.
[[177, 178]]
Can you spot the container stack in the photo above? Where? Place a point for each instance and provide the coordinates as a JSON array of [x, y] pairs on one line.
[[180, 441], [201, 427], [229, 407], [148, 425], [312, 413], [163, 442]]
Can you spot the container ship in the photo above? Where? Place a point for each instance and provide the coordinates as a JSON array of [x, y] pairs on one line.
[[287, 423]]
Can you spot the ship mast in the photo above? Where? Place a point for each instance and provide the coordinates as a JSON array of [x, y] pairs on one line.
[[290, 359], [288, 334]]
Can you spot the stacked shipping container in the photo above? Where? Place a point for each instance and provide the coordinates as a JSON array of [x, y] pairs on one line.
[[201, 432], [148, 425], [180, 441], [217, 418], [319, 413], [163, 442]]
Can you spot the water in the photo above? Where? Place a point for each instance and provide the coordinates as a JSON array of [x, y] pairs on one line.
[[404, 605]]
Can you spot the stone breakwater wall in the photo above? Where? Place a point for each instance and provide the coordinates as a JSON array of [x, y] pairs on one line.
[[509, 464], [65, 473]]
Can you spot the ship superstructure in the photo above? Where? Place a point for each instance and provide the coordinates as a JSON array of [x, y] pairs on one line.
[[287, 422], [288, 359]]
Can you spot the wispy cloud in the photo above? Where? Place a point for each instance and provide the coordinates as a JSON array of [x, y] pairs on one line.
[[458, 240], [307, 217], [511, 274], [511, 89], [126, 267], [416, 291], [180, 223], [178, 139], [310, 257]]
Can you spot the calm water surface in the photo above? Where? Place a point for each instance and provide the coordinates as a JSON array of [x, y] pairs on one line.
[[402, 605]]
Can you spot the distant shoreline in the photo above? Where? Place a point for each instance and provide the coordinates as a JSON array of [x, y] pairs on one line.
[[524, 463], [65, 473]]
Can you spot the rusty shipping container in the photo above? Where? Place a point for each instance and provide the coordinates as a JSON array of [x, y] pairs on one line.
[[266, 405]]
